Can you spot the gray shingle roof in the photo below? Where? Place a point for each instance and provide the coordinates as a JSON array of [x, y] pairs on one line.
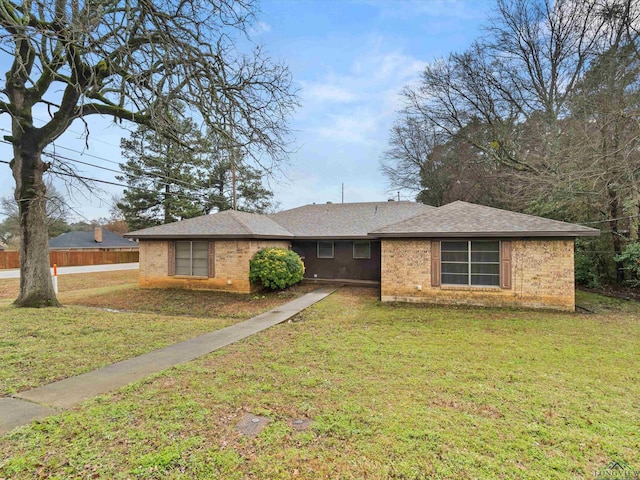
[[345, 220], [462, 219], [227, 224], [371, 219], [86, 240]]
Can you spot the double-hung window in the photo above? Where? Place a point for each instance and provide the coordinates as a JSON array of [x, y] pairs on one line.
[[470, 262], [325, 250], [192, 259], [361, 249]]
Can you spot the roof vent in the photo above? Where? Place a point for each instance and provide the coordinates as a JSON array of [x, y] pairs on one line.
[[329, 203], [391, 200]]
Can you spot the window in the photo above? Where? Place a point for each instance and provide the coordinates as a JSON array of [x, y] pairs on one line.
[[474, 262], [362, 249], [325, 249], [192, 258]]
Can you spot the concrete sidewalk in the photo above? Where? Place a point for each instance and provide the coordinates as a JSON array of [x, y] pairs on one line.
[[48, 400], [15, 272]]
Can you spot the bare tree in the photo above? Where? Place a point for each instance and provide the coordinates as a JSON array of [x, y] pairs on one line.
[[130, 61], [548, 101], [57, 215], [438, 168]]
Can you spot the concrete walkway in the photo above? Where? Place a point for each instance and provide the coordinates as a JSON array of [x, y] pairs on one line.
[[43, 401], [15, 272]]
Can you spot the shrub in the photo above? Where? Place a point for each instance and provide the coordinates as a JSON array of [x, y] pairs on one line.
[[276, 268], [594, 261], [586, 269], [630, 258]]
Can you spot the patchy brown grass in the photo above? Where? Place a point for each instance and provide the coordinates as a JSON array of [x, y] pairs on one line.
[[187, 302], [107, 318], [394, 392], [9, 287]]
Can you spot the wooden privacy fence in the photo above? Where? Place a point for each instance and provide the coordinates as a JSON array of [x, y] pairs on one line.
[[74, 258]]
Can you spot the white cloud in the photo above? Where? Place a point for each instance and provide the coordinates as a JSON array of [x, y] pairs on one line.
[[327, 93], [358, 106], [344, 125]]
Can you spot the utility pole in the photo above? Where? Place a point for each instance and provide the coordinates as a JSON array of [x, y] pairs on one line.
[[342, 192], [232, 160]]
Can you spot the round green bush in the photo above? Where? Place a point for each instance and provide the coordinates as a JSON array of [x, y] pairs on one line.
[[276, 268]]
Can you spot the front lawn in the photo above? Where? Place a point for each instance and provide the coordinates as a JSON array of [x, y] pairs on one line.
[[394, 391], [9, 287], [187, 302], [103, 325], [39, 346]]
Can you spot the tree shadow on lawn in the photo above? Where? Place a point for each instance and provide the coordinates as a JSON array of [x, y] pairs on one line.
[[190, 302]]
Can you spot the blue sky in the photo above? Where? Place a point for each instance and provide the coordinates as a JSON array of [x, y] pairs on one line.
[[349, 60]]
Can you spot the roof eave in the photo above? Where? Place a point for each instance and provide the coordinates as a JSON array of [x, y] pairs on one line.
[[333, 237], [511, 234], [209, 236]]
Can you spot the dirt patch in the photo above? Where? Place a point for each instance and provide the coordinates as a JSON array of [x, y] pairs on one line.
[[190, 302], [251, 425]]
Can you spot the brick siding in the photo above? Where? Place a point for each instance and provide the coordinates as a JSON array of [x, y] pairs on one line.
[[231, 266], [542, 276]]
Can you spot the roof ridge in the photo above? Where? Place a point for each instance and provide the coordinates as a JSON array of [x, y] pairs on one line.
[[261, 215], [238, 220], [345, 204]]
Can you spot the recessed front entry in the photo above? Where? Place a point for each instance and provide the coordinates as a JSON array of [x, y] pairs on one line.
[[340, 259]]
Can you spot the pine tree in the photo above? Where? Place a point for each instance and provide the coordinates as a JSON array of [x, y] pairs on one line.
[[161, 176], [170, 179], [217, 174]]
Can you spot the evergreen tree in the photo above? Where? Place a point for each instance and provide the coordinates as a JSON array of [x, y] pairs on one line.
[[217, 172], [161, 176], [170, 179]]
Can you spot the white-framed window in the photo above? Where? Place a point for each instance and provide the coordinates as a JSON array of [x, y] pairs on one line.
[[470, 262], [325, 250], [192, 258], [362, 249]]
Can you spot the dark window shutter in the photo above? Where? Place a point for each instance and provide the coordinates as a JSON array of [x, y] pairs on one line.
[[505, 264], [172, 258], [212, 259], [435, 264]]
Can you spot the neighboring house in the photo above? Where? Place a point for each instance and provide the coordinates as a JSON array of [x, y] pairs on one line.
[[457, 253], [98, 239]]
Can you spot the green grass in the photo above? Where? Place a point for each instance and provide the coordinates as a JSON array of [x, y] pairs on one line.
[[39, 346], [103, 325], [395, 391]]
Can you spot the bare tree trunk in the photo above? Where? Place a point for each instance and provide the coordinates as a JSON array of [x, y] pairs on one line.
[[36, 287], [634, 222], [616, 237]]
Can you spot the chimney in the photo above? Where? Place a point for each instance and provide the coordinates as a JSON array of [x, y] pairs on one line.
[[97, 234]]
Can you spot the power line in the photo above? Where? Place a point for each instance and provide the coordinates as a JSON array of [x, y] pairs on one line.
[[86, 154], [107, 182], [57, 156], [80, 133], [166, 177], [610, 220]]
